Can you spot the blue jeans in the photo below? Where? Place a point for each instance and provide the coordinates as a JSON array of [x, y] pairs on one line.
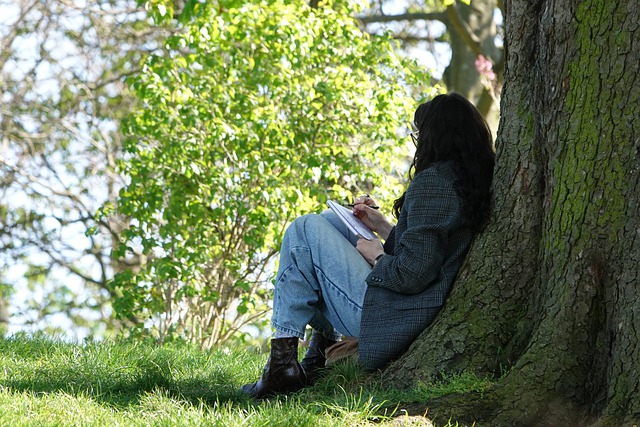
[[320, 280]]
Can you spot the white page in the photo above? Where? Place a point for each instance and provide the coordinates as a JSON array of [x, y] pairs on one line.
[[354, 223]]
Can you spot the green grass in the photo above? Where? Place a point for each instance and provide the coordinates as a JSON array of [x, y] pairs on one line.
[[45, 382]]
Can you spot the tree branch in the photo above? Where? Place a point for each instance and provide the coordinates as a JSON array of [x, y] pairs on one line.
[[432, 16], [463, 29], [15, 31]]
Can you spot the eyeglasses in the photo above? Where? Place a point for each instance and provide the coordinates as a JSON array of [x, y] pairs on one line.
[[414, 134]]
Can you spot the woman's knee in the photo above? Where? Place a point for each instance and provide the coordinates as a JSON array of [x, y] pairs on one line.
[[310, 225], [311, 220]]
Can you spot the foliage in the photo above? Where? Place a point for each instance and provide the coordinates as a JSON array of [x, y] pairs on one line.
[[61, 79], [254, 114], [49, 382]]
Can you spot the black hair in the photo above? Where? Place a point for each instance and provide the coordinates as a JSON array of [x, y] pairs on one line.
[[451, 128]]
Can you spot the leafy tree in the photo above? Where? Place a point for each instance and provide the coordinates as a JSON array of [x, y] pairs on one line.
[[548, 298], [61, 79], [254, 114]]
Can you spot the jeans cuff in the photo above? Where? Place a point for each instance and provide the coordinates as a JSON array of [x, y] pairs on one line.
[[333, 335], [288, 331]]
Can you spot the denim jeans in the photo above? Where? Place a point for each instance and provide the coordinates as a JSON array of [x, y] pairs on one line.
[[320, 280]]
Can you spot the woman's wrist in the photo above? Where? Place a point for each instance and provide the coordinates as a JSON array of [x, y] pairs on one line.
[[384, 230], [375, 261]]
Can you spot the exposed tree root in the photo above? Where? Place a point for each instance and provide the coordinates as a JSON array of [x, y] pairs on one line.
[[495, 410], [465, 409]]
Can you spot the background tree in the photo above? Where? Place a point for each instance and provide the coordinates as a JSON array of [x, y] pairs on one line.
[[254, 114], [548, 298], [61, 78], [471, 34]]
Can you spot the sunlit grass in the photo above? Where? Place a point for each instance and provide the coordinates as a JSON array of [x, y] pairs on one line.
[[45, 382]]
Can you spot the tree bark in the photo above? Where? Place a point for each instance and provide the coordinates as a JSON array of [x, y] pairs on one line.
[[548, 297]]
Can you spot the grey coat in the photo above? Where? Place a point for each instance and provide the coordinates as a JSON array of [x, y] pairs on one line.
[[407, 287]]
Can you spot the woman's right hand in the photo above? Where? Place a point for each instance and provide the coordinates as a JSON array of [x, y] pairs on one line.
[[373, 218]]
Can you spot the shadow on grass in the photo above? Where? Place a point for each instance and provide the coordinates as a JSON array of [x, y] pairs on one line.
[[120, 375], [129, 391], [123, 375]]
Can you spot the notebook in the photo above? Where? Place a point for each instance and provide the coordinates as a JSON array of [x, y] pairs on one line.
[[354, 223]]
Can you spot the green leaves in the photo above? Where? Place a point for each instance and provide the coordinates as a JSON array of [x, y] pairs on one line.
[[253, 115]]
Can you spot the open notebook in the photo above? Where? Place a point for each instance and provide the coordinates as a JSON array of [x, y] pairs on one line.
[[354, 223]]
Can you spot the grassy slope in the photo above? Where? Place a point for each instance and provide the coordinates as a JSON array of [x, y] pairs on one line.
[[44, 382]]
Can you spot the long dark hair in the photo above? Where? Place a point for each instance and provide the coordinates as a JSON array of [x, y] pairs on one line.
[[451, 128]]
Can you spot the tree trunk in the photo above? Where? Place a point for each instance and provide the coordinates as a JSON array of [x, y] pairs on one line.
[[548, 297]]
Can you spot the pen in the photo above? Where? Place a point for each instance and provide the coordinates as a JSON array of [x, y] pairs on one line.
[[371, 206]]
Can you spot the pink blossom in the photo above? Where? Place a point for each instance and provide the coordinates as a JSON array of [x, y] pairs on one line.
[[485, 68]]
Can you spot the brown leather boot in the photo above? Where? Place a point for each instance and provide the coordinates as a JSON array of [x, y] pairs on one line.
[[282, 373], [314, 360]]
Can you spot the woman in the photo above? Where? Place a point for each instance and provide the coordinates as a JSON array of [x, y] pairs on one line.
[[385, 295]]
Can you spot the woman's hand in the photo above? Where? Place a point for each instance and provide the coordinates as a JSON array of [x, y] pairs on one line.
[[369, 249], [373, 218]]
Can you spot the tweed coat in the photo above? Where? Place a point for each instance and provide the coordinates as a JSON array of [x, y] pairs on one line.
[[424, 251]]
